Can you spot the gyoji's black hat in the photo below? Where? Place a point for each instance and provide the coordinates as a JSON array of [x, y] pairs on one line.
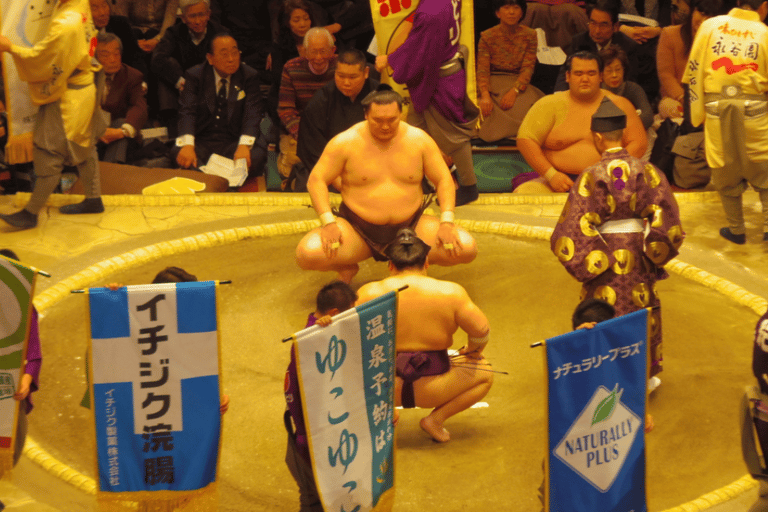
[[608, 117]]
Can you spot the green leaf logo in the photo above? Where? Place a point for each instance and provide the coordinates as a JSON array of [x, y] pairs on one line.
[[605, 408]]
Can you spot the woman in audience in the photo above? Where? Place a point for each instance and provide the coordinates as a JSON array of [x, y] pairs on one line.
[[672, 55], [615, 63], [506, 56]]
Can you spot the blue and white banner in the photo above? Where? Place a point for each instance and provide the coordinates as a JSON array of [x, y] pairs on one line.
[[347, 375], [596, 391], [155, 374]]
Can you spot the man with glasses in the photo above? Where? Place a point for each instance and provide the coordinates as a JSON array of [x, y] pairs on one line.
[[221, 108], [184, 45], [301, 78], [603, 31], [335, 107], [123, 99]]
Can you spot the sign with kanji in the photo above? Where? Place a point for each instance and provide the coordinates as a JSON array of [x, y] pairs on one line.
[[346, 376], [155, 364], [596, 397], [17, 284]]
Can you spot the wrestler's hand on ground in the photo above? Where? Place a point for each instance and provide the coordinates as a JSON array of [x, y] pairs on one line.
[[448, 238], [508, 100], [485, 104], [5, 44], [330, 234], [560, 182], [587, 325], [187, 157], [324, 321], [381, 63], [114, 286], [243, 152], [224, 407]]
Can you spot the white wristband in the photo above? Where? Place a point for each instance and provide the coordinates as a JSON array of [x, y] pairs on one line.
[[446, 217], [327, 218], [551, 172]]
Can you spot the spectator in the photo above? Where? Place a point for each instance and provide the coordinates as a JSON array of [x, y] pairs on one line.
[[105, 21], [672, 55], [559, 19], [301, 78], [506, 56], [249, 22], [221, 108], [150, 19], [123, 99], [184, 45], [615, 64], [352, 22], [603, 31], [335, 107]]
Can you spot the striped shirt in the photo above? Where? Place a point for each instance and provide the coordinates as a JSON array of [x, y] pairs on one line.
[[297, 86]]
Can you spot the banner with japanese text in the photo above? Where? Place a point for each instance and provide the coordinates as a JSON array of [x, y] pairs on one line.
[[392, 20], [346, 376], [17, 285], [596, 392], [155, 374]]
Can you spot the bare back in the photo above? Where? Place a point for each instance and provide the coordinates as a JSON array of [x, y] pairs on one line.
[[430, 311], [382, 182]]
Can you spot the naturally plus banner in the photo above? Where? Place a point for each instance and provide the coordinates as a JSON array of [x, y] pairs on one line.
[[596, 401], [598, 442]]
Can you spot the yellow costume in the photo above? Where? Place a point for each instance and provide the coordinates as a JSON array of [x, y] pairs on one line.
[[727, 73]]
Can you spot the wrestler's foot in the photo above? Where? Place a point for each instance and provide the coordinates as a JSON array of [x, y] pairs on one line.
[[22, 219], [466, 194], [648, 423], [730, 236], [347, 273], [438, 433], [89, 205]]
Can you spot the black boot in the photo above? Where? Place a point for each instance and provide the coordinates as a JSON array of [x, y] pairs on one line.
[[89, 205], [730, 236], [22, 219]]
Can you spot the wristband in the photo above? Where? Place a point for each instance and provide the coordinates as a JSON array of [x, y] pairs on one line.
[[327, 218], [481, 341], [446, 216], [551, 172]]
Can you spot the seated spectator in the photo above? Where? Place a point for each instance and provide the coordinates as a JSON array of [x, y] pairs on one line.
[[184, 45], [555, 137], [603, 31], [559, 19], [249, 22], [672, 55], [150, 20], [221, 109], [648, 9], [351, 22], [105, 22], [296, 17], [615, 64], [123, 99], [301, 78], [506, 56], [335, 107]]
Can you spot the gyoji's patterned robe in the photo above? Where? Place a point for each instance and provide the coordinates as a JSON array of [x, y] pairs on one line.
[[621, 268]]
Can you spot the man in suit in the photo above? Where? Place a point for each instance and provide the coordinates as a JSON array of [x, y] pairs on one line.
[[123, 100], [184, 45], [221, 107], [106, 22], [603, 31]]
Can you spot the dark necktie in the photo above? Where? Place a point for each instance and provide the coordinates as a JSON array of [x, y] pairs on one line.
[[221, 101]]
